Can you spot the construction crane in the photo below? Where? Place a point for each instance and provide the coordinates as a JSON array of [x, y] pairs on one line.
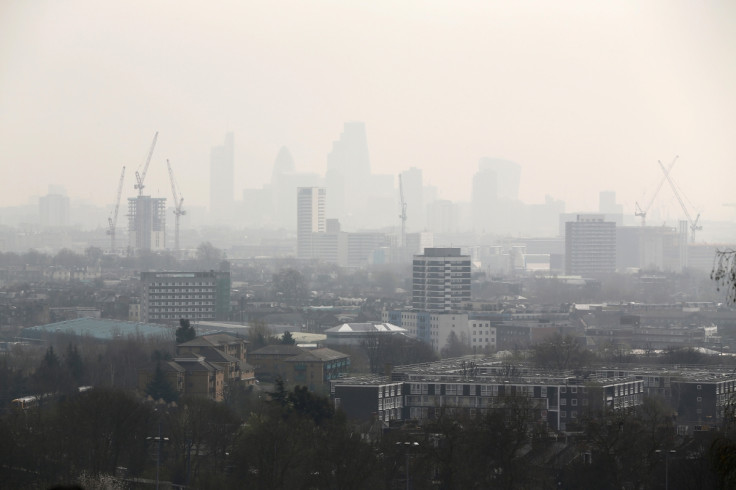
[[403, 213], [113, 220], [643, 212], [139, 178], [178, 211], [693, 223]]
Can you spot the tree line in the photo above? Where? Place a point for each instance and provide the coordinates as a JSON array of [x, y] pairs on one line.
[[294, 439]]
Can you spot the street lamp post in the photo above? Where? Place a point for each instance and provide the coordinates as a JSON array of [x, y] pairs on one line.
[[407, 446], [666, 466], [159, 440]]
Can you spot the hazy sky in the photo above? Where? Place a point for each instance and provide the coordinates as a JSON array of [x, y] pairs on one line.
[[586, 96]]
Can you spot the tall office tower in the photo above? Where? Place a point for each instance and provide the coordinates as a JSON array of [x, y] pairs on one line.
[[508, 176], [442, 216], [590, 245], [348, 170], [484, 199], [221, 180], [310, 218], [283, 182], [441, 280], [349, 154], [168, 296], [146, 223], [607, 203], [53, 208]]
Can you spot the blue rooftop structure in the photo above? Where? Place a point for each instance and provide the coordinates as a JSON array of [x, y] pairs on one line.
[[102, 329]]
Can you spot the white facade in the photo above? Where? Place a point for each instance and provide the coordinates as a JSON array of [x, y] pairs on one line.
[[310, 218], [430, 327], [482, 335], [440, 280]]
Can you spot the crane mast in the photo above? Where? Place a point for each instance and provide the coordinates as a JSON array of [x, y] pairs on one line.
[[113, 220], [403, 213], [139, 178], [178, 211], [693, 223], [643, 212]]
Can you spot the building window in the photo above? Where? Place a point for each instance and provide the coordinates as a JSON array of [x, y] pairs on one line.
[[574, 402], [563, 401], [563, 414], [700, 387]]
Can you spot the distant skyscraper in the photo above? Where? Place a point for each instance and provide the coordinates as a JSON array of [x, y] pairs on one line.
[[284, 163], [484, 199], [221, 180], [590, 245], [607, 203], [53, 208], [310, 217], [441, 280], [442, 216], [349, 154], [348, 171], [508, 176], [283, 182]]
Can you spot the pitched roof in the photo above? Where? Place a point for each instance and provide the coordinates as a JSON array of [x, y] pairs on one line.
[[358, 328], [223, 338], [196, 365], [100, 328], [323, 355], [278, 349], [216, 355]]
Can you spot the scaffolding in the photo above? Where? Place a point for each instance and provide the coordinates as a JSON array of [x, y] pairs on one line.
[[146, 223]]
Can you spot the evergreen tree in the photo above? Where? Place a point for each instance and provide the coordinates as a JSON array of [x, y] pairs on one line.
[[74, 364], [185, 332], [51, 377], [288, 339], [159, 387]]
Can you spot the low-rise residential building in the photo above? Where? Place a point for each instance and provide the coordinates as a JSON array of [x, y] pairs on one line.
[[474, 387], [369, 398], [313, 368], [482, 335], [224, 350], [699, 398], [431, 327], [189, 375], [357, 333]]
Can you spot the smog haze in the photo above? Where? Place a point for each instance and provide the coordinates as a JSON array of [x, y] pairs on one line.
[[584, 96]]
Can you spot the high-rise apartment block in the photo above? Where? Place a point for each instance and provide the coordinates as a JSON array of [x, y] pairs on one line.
[[147, 223], [441, 280], [590, 245], [167, 297], [310, 218]]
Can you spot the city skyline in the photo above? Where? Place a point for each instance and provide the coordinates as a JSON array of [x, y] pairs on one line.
[[584, 98]]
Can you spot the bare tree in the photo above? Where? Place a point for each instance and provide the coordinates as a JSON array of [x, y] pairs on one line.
[[724, 272]]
